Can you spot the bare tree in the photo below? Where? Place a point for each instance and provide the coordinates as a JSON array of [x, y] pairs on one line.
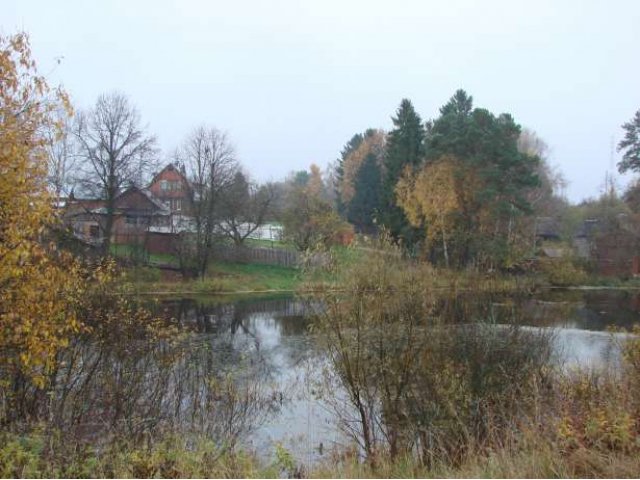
[[60, 153], [211, 166], [244, 208], [116, 151]]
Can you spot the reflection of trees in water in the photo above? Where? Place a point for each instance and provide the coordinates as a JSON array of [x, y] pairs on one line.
[[216, 381], [237, 327], [137, 388]]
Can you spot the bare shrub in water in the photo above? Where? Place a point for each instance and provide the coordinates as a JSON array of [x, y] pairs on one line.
[[415, 379]]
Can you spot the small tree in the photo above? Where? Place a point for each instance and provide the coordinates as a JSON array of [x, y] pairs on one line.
[[116, 150], [244, 208], [61, 155], [308, 218]]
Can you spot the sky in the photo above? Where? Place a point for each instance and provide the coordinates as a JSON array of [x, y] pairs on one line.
[[292, 81]]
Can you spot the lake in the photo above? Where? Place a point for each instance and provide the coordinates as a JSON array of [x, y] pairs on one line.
[[267, 343]]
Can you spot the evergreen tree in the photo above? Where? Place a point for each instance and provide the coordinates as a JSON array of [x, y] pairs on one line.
[[350, 147], [363, 207], [630, 145], [498, 174], [405, 147]]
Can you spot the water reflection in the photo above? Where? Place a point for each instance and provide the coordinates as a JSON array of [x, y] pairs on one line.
[[249, 372], [263, 350]]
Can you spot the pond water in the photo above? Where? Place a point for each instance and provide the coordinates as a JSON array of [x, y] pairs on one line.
[[268, 341]]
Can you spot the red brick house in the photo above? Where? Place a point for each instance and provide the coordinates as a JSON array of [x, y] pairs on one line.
[[171, 186]]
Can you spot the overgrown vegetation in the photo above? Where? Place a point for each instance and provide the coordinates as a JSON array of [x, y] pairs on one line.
[[421, 394]]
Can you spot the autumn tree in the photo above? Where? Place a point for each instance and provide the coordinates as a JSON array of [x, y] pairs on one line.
[[38, 285], [315, 184], [308, 218], [405, 147], [630, 145], [116, 150], [433, 197], [211, 166], [244, 208]]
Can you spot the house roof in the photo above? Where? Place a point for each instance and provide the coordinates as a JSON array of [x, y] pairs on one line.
[[172, 168], [155, 200], [588, 228], [547, 227], [158, 206]]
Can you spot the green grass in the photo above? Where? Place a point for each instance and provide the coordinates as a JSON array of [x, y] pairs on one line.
[[253, 276], [222, 277], [262, 243]]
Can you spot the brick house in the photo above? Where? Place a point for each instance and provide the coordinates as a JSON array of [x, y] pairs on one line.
[[136, 212], [171, 186], [139, 212]]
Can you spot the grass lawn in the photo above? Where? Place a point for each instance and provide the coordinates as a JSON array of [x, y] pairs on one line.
[[228, 277], [253, 276], [261, 243], [222, 277]]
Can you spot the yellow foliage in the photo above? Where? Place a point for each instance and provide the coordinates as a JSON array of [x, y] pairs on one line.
[[435, 196], [37, 284]]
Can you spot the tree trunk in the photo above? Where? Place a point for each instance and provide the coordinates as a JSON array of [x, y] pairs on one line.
[[446, 250], [108, 228]]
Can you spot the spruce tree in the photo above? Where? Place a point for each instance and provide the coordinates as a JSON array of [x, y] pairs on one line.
[[363, 207], [405, 147], [350, 147]]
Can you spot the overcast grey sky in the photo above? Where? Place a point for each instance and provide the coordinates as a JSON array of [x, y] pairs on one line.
[[292, 81]]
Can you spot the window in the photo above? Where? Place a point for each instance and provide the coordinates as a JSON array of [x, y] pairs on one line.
[[164, 185], [137, 221], [178, 204]]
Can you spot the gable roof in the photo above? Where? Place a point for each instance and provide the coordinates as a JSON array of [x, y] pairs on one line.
[[152, 201], [547, 227], [170, 167]]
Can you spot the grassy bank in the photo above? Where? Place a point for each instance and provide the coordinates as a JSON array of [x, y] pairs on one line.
[[223, 277]]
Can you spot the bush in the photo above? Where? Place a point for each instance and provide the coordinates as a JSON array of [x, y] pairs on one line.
[[562, 271]]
